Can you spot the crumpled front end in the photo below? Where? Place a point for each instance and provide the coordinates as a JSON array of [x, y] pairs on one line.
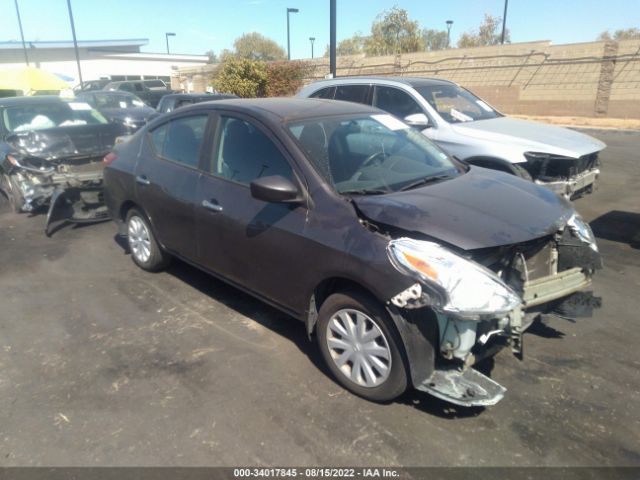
[[71, 188], [519, 282], [570, 177]]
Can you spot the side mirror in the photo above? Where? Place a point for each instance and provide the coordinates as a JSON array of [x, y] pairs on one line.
[[417, 120], [274, 189]]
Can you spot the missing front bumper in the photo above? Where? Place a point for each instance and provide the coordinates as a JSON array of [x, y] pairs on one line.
[[574, 186]]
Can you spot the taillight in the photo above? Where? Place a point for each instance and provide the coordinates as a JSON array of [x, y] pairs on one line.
[[13, 161], [109, 158]]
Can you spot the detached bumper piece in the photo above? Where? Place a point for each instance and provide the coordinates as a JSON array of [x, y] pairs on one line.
[[75, 205], [467, 388]]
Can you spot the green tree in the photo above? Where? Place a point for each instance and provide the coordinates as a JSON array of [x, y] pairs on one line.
[[489, 33], [622, 34], [349, 46], [213, 58], [392, 32], [434, 39], [242, 76], [255, 46]]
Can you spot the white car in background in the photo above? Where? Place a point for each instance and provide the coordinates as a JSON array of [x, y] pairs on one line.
[[464, 125]]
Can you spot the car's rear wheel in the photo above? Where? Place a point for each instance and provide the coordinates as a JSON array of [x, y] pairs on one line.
[[145, 250], [16, 200], [361, 346]]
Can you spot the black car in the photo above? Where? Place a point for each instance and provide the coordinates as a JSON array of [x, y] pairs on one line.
[[119, 107], [149, 95], [170, 102], [407, 265], [51, 152], [91, 85]]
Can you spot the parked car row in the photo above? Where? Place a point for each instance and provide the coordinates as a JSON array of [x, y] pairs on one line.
[[407, 261]]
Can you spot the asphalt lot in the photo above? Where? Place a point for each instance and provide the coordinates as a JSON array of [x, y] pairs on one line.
[[104, 364]]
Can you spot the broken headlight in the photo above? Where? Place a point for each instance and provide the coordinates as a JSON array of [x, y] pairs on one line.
[[454, 284], [582, 230]]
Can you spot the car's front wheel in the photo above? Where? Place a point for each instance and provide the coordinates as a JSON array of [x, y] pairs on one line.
[[361, 346], [145, 250]]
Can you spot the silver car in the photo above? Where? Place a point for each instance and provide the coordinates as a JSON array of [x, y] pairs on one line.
[[469, 128]]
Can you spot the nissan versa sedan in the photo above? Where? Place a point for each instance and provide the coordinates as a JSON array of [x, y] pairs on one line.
[[467, 127], [406, 265]]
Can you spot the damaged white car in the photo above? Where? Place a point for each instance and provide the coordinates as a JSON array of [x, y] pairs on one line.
[[467, 127]]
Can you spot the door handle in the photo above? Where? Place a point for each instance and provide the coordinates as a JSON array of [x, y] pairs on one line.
[[143, 180], [214, 207]]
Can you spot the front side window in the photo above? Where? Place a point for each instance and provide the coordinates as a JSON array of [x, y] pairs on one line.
[[353, 93], [372, 154], [245, 153], [180, 140], [395, 101], [455, 104], [50, 115], [324, 93]]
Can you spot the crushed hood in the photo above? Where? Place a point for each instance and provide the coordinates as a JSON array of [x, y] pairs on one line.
[[65, 142], [531, 136], [479, 209]]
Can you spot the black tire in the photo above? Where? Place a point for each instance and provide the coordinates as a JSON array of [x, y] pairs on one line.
[[156, 259], [16, 200], [397, 380]]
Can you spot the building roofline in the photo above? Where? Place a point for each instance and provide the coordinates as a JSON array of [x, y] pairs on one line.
[[128, 42]]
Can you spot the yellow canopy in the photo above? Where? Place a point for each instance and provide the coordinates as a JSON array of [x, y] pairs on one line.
[[30, 80]]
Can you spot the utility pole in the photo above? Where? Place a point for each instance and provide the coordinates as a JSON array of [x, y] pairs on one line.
[[24, 45], [289, 10], [449, 24], [75, 42], [332, 37], [504, 22]]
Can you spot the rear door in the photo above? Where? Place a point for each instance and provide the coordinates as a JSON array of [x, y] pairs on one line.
[[167, 179], [251, 242]]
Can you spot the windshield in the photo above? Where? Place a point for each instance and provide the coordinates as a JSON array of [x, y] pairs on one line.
[[371, 154], [117, 101], [455, 104], [49, 115]]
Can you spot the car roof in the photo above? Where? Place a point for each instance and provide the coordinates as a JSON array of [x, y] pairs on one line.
[[212, 96], [114, 93], [33, 100], [411, 81], [288, 109]]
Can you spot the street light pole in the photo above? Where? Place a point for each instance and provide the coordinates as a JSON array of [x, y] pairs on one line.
[[166, 36], [504, 21], [332, 38], [312, 39], [75, 42], [24, 45], [449, 24], [289, 10]]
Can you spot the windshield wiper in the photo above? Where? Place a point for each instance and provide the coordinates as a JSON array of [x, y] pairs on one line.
[[364, 191], [424, 181]]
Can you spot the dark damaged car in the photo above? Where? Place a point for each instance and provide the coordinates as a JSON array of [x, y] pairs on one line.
[[407, 265], [51, 153]]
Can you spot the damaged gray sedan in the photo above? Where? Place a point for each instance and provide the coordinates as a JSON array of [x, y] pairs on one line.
[[51, 153], [406, 265]]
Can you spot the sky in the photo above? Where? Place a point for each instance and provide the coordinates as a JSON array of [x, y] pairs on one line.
[[202, 25]]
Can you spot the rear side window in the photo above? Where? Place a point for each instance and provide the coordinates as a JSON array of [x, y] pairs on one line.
[[245, 153], [396, 102], [180, 140], [328, 92], [353, 93]]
